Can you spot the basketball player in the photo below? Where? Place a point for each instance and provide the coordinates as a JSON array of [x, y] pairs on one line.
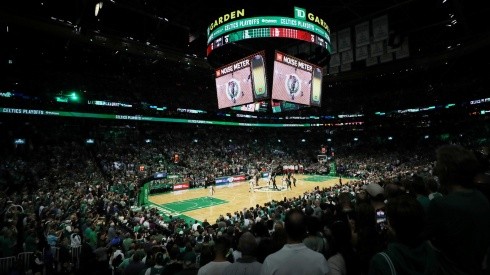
[[274, 186], [294, 180], [252, 184], [288, 184], [211, 191]]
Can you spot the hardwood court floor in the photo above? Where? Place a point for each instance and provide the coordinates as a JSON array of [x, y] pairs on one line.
[[237, 196]]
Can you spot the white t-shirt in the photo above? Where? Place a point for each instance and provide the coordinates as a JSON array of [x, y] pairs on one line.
[[295, 259], [194, 226], [213, 268], [337, 265], [75, 239]]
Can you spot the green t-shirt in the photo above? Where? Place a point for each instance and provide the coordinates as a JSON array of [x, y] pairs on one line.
[[458, 224], [7, 245], [91, 237], [127, 243], [404, 260], [30, 243]]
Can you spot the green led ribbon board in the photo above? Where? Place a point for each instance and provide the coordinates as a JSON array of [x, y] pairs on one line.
[[266, 33], [268, 21]]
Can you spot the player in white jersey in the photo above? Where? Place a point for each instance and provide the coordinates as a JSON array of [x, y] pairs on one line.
[[211, 191], [252, 184]]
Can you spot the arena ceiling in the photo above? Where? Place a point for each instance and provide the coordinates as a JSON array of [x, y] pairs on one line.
[[144, 38]]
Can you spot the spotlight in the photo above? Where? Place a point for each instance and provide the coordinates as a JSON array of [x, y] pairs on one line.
[[98, 7]]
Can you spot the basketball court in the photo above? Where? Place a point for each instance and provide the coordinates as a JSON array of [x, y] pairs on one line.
[[198, 204]]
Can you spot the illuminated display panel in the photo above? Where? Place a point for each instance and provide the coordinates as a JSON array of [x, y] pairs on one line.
[[55, 113], [296, 81], [284, 106], [242, 81], [267, 21], [267, 33], [252, 107]]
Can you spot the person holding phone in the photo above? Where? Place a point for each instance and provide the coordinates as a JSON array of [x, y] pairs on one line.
[[408, 253], [377, 200]]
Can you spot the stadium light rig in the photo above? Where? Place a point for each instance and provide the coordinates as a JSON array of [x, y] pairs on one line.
[[98, 7]]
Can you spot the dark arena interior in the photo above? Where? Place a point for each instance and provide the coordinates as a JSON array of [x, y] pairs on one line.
[[341, 137]]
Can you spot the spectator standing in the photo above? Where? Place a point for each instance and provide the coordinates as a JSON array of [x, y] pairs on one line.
[[247, 264], [420, 191], [295, 257], [459, 223], [216, 266], [136, 265], [409, 253]]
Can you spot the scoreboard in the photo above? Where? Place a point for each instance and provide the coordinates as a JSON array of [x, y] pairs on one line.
[[267, 21], [295, 83], [267, 33], [238, 25]]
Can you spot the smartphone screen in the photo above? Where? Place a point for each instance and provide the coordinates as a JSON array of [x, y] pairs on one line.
[[316, 87], [381, 219], [258, 75]]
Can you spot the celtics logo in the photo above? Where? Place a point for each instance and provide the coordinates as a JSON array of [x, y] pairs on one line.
[[293, 85], [233, 90]]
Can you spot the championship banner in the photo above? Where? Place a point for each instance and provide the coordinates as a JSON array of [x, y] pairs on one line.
[[347, 57], [377, 49], [333, 70], [370, 61], [361, 53], [344, 41], [380, 28], [404, 50], [335, 60], [362, 34], [346, 67], [387, 57]]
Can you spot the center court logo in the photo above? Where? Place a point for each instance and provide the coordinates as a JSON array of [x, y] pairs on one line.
[[270, 189]]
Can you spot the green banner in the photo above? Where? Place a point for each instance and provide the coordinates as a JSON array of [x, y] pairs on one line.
[[37, 112]]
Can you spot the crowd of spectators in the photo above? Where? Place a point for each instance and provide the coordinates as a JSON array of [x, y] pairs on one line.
[[58, 203]]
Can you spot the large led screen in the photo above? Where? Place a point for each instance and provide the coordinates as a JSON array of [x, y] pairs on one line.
[[242, 81], [261, 106], [296, 81], [284, 106]]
